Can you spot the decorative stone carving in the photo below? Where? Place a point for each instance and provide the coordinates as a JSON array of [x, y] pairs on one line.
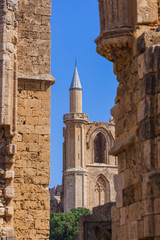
[[100, 188]]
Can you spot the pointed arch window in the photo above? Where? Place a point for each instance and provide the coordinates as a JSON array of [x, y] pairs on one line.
[[101, 191], [100, 148]]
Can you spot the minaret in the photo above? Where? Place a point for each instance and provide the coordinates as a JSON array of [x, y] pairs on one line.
[[75, 93], [74, 171]]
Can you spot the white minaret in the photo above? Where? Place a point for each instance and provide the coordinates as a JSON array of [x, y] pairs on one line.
[[74, 169]]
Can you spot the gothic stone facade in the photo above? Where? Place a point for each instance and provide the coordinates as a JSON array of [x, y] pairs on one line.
[[88, 169], [130, 38], [25, 84]]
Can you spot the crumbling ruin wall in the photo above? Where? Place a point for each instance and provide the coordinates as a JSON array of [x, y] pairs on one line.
[[130, 38], [25, 118], [56, 205], [98, 225]]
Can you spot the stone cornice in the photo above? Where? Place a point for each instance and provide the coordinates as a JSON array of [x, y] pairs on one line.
[[76, 171], [36, 77]]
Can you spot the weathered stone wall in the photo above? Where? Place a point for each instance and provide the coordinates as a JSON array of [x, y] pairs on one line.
[[8, 98], [55, 199], [25, 84], [135, 53], [6, 182], [98, 225], [33, 45], [137, 184], [8, 64], [32, 163]]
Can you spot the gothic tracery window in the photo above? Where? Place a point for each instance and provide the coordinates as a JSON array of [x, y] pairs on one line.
[[100, 148], [100, 191]]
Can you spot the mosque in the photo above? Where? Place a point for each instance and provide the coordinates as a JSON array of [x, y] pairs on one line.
[[88, 169]]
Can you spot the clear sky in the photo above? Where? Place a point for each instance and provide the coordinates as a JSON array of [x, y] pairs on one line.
[[74, 27]]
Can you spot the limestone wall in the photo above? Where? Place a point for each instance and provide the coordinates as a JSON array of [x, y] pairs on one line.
[[25, 86], [136, 113], [33, 18], [32, 162], [7, 150]]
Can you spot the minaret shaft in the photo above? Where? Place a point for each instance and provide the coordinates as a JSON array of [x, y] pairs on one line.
[[76, 100], [75, 93]]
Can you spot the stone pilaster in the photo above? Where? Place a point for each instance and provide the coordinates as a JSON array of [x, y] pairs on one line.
[[8, 111]]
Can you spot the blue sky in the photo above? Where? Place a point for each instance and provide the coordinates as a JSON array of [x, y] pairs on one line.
[[74, 27]]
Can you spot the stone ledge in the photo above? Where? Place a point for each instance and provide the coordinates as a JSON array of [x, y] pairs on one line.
[[76, 170], [115, 33], [123, 145], [101, 165], [38, 77]]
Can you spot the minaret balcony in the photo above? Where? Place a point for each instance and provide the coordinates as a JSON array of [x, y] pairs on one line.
[[75, 116]]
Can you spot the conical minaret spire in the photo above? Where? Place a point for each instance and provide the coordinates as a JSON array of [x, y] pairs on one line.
[[76, 80], [76, 93]]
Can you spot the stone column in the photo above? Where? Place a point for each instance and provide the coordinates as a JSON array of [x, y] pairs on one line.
[[135, 54]]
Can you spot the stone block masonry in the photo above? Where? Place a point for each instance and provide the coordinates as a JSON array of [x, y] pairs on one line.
[[25, 86], [130, 37], [32, 162], [134, 50]]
